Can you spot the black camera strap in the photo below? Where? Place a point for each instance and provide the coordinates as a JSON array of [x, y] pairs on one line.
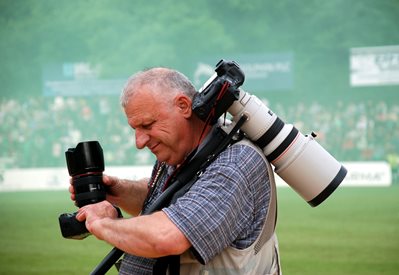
[[212, 147], [216, 142]]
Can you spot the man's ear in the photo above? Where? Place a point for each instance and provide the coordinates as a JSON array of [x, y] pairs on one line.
[[183, 104]]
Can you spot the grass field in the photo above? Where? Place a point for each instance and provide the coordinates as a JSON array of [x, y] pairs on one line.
[[356, 231]]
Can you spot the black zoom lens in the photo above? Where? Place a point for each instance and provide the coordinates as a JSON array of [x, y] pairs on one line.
[[85, 166], [89, 189]]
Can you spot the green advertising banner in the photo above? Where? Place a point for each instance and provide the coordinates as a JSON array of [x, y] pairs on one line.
[[263, 72], [78, 79]]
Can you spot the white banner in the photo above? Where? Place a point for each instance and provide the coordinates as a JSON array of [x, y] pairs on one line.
[[58, 178], [359, 174], [377, 173], [371, 173], [374, 66]]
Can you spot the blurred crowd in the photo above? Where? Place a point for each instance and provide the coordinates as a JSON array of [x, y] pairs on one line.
[[37, 132]]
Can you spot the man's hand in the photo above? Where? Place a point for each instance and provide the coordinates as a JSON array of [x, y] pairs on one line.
[[96, 212], [126, 194]]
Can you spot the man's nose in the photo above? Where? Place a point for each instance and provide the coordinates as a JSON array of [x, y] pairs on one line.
[[141, 139]]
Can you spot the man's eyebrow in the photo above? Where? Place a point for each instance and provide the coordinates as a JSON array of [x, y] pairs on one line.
[[136, 123]]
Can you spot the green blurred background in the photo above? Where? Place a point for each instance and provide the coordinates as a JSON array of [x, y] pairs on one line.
[[64, 63], [97, 45]]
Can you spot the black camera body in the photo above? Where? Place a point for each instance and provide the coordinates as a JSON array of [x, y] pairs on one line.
[[219, 92], [85, 165]]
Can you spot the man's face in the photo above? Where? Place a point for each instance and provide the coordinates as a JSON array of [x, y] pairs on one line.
[[160, 125]]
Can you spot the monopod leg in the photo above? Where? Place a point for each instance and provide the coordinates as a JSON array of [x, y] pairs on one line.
[[107, 262]]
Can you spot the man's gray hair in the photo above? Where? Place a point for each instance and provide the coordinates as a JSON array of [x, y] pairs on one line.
[[165, 79]]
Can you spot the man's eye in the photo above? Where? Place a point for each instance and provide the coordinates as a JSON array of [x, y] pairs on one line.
[[147, 126]]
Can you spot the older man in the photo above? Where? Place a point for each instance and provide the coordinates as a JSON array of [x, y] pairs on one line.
[[223, 224]]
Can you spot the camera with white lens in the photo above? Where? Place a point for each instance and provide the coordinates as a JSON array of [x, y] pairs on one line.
[[298, 159]]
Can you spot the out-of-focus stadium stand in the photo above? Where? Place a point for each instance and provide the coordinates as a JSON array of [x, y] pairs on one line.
[[36, 132]]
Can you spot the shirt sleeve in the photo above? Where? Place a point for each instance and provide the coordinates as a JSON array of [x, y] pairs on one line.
[[219, 209]]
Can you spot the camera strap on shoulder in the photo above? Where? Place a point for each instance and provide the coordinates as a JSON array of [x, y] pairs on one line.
[[213, 145], [217, 142]]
